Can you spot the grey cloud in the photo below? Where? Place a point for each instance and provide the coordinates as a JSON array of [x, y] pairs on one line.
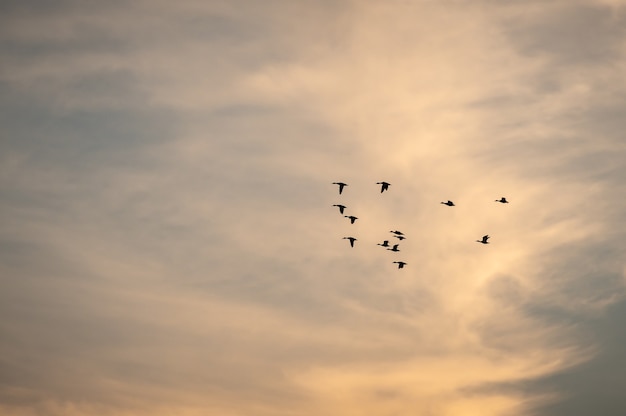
[[36, 6], [570, 300], [581, 34], [82, 134], [35, 32], [595, 387]]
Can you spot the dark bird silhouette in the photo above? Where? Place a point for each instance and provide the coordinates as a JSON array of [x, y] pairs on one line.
[[352, 218], [396, 232], [400, 237], [352, 240], [400, 264], [384, 243], [394, 248], [341, 207], [484, 240], [449, 203], [383, 186], [503, 200], [341, 185]]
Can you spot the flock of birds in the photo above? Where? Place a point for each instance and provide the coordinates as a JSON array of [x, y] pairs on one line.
[[384, 186]]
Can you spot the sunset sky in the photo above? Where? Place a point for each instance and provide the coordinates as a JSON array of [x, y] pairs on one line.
[[169, 245]]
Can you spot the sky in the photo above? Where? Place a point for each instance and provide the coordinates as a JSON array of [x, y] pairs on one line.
[[169, 245]]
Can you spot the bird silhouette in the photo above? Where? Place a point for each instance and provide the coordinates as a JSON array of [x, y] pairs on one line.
[[383, 186], [502, 200], [394, 248], [400, 264], [352, 240], [448, 203], [400, 237], [352, 218], [396, 232], [384, 243], [341, 207], [341, 185], [484, 240]]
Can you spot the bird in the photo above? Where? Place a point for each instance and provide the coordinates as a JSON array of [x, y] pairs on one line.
[[400, 237], [397, 232], [484, 240], [449, 203], [341, 207], [503, 200], [352, 218], [352, 240], [400, 264], [394, 248], [384, 243], [341, 185], [383, 186]]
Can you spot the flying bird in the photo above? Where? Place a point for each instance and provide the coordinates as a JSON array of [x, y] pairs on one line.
[[400, 264], [484, 240], [341, 207], [503, 200], [449, 203], [400, 237], [352, 218], [384, 243], [397, 232], [383, 186], [352, 240], [341, 185], [394, 248]]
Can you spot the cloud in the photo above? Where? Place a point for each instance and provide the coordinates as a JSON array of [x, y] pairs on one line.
[[172, 245], [580, 34]]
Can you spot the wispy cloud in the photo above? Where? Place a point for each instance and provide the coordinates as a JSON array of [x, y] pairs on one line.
[[169, 243]]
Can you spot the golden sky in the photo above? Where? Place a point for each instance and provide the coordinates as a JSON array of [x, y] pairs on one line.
[[169, 245]]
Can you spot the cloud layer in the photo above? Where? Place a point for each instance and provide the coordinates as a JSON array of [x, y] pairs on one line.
[[169, 243]]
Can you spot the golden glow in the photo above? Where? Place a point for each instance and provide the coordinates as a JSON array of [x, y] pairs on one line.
[[201, 269]]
